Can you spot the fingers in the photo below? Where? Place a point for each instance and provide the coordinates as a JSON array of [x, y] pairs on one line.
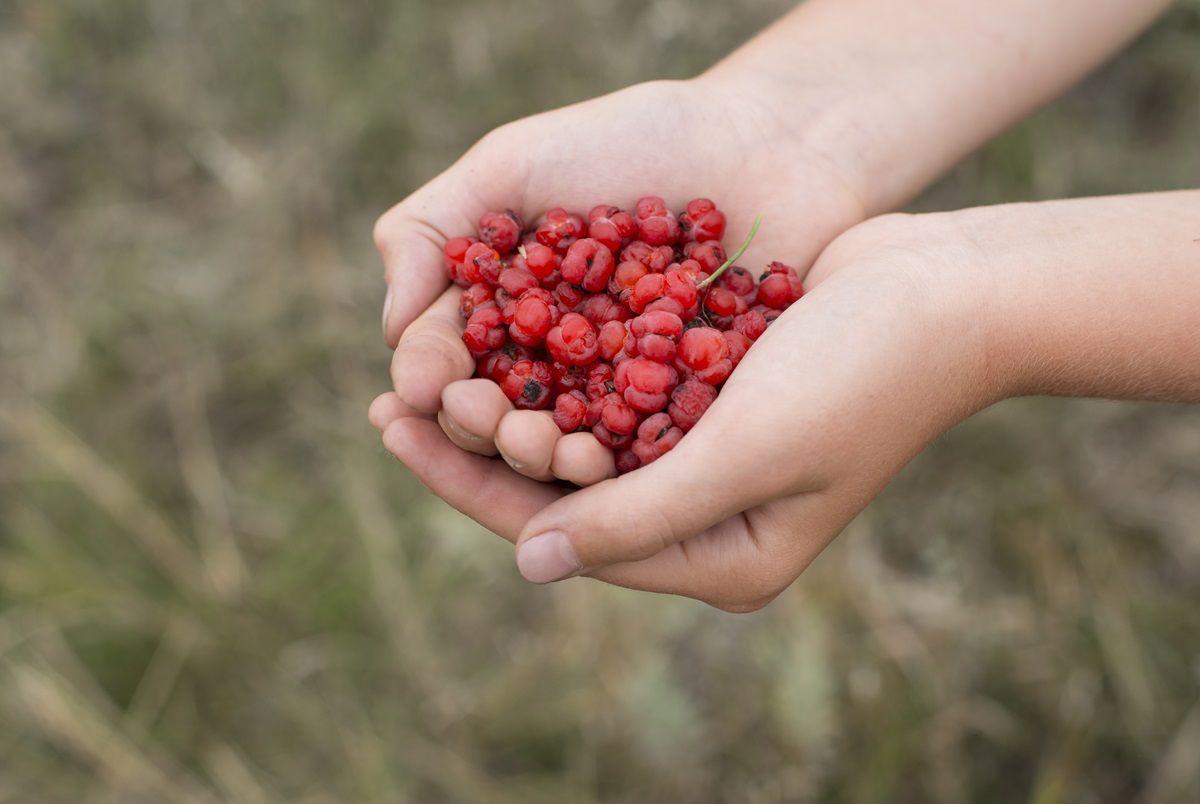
[[484, 489], [526, 440], [742, 563], [580, 459], [386, 408], [471, 412], [690, 489], [431, 355], [410, 237]]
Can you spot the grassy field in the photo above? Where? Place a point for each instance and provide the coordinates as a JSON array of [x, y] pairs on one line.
[[216, 586]]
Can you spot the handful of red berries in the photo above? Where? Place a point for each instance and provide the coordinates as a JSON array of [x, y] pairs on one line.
[[625, 324]]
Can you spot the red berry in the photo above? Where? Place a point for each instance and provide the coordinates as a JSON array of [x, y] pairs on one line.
[[655, 258], [656, 436], [600, 381], [626, 461], [779, 286], [455, 252], [656, 333], [615, 338], [569, 297], [560, 230], [473, 298], [702, 221], [570, 410], [541, 260], [705, 351], [568, 378], [751, 323], [626, 275], [528, 384], [496, 365], [739, 281], [533, 316], [611, 226], [516, 281], [689, 401], [710, 255], [573, 341], [481, 263], [646, 384], [602, 308], [484, 331], [657, 225], [500, 230], [739, 344], [589, 264], [723, 302]]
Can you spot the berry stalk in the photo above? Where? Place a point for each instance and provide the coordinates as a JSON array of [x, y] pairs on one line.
[[735, 256]]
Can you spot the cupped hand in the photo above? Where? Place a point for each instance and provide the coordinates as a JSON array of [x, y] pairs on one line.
[[886, 350], [715, 136]]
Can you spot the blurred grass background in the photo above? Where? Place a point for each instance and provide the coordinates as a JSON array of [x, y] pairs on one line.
[[216, 586]]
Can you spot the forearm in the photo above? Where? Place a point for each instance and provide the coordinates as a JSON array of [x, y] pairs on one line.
[[1094, 297], [893, 93]]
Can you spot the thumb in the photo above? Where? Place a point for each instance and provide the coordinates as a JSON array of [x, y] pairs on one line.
[[698, 484], [410, 236]]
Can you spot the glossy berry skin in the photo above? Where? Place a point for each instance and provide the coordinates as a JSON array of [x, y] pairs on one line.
[[656, 436], [475, 297], [709, 254], [588, 264], [600, 382], [528, 384], [541, 261], [481, 263], [570, 411], [560, 229], [657, 225], [602, 308], [779, 286], [646, 384], [705, 352], [573, 342], [739, 281], [702, 221], [723, 302], [611, 226], [500, 230], [496, 365], [689, 401], [616, 339], [656, 333], [655, 258], [569, 297], [751, 323], [485, 331], [454, 252], [516, 281], [533, 315], [626, 275]]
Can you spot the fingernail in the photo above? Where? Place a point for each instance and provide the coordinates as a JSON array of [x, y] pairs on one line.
[[547, 557], [387, 308]]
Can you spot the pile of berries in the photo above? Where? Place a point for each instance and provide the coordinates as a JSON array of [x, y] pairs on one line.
[[622, 323]]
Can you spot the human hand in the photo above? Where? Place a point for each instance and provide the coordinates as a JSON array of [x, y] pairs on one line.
[[712, 136]]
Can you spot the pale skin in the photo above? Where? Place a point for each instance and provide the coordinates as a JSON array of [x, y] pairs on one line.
[[910, 323]]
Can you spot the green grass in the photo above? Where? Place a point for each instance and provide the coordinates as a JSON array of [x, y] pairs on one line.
[[216, 586]]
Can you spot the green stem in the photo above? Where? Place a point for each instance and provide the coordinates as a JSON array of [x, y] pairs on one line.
[[733, 257]]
